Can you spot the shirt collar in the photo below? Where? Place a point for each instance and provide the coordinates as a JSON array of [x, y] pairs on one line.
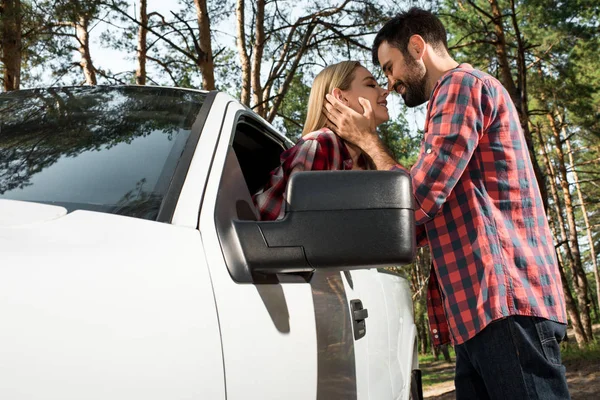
[[439, 81]]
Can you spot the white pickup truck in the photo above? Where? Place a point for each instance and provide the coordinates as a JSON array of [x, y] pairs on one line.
[[133, 265]]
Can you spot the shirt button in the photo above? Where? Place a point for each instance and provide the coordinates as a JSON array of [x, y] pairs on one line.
[[428, 151], [436, 336], [435, 331]]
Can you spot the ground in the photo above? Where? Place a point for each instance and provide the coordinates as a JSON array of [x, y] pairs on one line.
[[583, 373]]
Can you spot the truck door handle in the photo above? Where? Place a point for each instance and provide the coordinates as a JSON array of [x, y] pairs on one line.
[[359, 314]]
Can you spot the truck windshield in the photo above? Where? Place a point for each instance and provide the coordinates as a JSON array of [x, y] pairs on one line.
[[107, 149]]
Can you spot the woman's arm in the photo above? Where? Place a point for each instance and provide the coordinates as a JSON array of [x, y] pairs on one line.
[[317, 151]]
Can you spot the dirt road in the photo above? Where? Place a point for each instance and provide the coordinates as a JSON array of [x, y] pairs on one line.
[[583, 377]]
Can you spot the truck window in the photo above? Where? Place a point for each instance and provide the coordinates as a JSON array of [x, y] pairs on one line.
[[257, 151], [107, 149]]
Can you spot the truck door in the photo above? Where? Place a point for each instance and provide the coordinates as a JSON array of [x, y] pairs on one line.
[[378, 366], [283, 337]]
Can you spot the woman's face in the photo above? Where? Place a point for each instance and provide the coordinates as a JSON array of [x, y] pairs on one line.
[[364, 85]]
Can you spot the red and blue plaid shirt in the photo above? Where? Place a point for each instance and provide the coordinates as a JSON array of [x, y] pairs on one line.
[[479, 203], [321, 150]]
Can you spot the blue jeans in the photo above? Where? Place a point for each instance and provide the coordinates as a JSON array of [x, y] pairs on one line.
[[512, 359]]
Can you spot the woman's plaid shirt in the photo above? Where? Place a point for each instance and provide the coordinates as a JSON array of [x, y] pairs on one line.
[[321, 150], [478, 200]]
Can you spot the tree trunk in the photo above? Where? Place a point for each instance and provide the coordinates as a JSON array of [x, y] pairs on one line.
[[10, 15], [241, 46], [83, 37], [570, 305], [205, 57], [554, 190], [586, 220], [557, 205], [518, 93], [140, 72], [423, 279], [524, 105], [578, 271], [502, 54], [445, 352], [258, 49], [422, 329], [580, 337]]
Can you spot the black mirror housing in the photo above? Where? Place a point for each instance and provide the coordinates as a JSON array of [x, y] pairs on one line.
[[337, 220]]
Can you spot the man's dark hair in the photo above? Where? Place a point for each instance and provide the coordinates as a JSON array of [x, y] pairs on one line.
[[398, 30]]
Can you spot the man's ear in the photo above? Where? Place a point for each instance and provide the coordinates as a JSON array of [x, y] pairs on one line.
[[338, 94], [417, 46]]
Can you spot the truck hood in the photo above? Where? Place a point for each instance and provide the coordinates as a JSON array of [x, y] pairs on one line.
[[101, 306], [34, 231], [15, 213]]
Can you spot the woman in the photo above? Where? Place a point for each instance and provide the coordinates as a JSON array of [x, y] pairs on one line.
[[320, 149]]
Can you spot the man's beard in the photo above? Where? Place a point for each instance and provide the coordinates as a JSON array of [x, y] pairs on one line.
[[415, 84]]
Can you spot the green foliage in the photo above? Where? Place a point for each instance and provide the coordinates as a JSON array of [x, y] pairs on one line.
[[228, 73], [294, 107], [49, 38], [397, 137], [566, 42], [574, 353]]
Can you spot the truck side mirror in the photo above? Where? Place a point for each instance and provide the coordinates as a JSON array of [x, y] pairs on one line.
[[335, 220]]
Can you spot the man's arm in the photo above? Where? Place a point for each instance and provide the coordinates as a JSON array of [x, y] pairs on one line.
[[459, 113], [359, 129]]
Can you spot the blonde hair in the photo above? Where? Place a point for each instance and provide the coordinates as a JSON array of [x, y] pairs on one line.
[[338, 75]]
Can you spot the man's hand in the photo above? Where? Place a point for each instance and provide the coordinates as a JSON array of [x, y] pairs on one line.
[[356, 128]]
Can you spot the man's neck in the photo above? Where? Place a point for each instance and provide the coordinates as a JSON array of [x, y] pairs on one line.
[[437, 66]]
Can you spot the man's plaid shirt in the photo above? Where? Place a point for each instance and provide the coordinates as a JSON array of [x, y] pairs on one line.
[[480, 206], [321, 150]]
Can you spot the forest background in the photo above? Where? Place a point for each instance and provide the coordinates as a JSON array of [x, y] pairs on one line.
[[267, 52]]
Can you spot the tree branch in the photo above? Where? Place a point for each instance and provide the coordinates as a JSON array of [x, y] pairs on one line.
[[151, 30], [197, 48], [480, 10], [166, 68], [290, 75]]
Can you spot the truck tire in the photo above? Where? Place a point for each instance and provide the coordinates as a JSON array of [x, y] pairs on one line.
[[416, 390]]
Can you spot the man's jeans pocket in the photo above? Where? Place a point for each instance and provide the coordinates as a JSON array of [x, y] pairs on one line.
[[550, 334]]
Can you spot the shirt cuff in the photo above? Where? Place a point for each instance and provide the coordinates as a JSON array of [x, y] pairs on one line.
[[399, 167], [439, 338], [421, 216]]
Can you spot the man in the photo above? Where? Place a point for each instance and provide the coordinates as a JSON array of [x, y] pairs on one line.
[[495, 288]]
